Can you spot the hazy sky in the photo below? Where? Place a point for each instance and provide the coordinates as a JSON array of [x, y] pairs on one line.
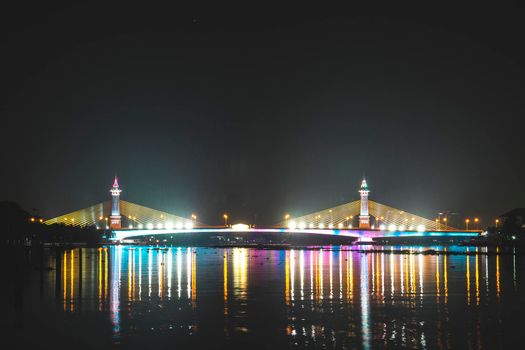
[[263, 111]]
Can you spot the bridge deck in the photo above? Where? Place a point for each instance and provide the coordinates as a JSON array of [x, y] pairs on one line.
[[119, 235]]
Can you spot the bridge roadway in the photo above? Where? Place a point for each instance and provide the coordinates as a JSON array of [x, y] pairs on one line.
[[361, 235]]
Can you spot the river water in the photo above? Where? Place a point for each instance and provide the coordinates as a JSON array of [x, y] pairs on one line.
[[341, 297]]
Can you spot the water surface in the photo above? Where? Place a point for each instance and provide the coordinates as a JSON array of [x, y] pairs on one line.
[[181, 297]]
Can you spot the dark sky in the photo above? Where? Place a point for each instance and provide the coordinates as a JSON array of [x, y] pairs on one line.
[[262, 111]]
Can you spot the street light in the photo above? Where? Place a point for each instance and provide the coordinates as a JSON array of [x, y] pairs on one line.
[[497, 222], [286, 217], [445, 220], [194, 217], [476, 220], [225, 216], [466, 223]]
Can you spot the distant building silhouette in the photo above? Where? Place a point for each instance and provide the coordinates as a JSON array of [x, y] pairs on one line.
[[513, 222]]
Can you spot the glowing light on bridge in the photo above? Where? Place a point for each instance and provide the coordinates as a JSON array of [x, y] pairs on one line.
[[392, 227], [240, 227], [421, 228]]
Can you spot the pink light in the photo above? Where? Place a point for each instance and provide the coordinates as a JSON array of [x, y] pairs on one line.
[[115, 183]]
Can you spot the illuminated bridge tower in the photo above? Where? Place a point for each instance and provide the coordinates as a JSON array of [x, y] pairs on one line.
[[364, 217], [115, 219]]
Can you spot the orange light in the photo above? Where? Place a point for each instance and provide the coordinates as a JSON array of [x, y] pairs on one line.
[[41, 220], [32, 219]]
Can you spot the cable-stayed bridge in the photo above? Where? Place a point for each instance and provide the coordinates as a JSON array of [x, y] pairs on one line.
[[362, 219], [383, 217]]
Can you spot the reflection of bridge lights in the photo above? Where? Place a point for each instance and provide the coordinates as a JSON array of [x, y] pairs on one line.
[[169, 225], [292, 225], [321, 225], [401, 227], [391, 227], [178, 225], [302, 225], [188, 225], [382, 227], [149, 225], [421, 228], [159, 225]]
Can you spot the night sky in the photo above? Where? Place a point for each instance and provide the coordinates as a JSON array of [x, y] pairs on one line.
[[263, 111]]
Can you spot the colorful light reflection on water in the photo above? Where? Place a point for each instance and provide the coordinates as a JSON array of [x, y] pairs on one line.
[[282, 298]]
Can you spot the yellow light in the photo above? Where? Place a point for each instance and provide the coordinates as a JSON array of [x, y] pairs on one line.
[[32, 219], [41, 220], [467, 220], [287, 216], [100, 217], [476, 220]]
